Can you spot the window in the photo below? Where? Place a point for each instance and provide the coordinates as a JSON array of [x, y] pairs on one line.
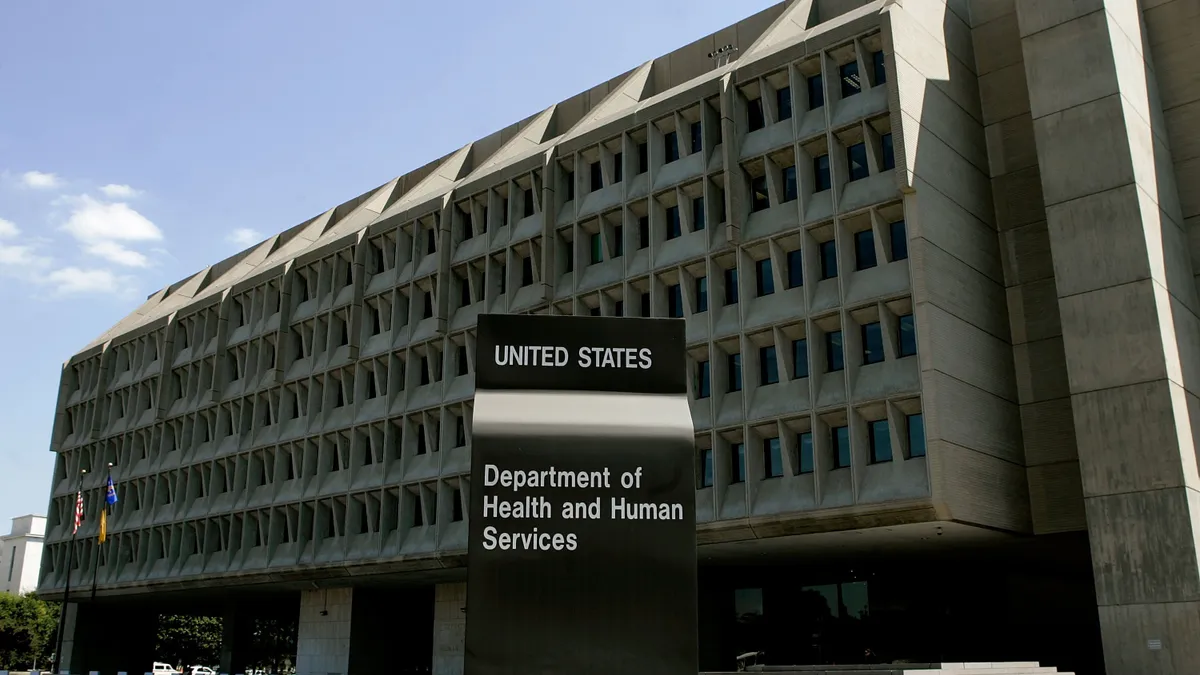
[[816, 92], [460, 361], [619, 244], [916, 435], [850, 82], [734, 366], [908, 336], [456, 509], [597, 176], [698, 214], [706, 468], [421, 449], [880, 441], [703, 380], [899, 240], [643, 232], [800, 358], [764, 277], [805, 446], [759, 199], [772, 458], [829, 264], [702, 294], [889, 156], [467, 230], [864, 249], [430, 242], [460, 432], [464, 293], [789, 183], [594, 311], [697, 137], [674, 301], [645, 304], [674, 226], [417, 519], [671, 146], [737, 453], [821, 173], [527, 205], [834, 359], [570, 185], [841, 447], [856, 157], [619, 308], [768, 366], [527, 271], [485, 218], [754, 114], [880, 68], [597, 249], [568, 257], [618, 167], [427, 304], [783, 100], [795, 263], [731, 289], [502, 274], [643, 158], [11, 562], [872, 341]]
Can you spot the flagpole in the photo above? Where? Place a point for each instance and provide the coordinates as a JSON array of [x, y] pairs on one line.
[[62, 613], [104, 506]]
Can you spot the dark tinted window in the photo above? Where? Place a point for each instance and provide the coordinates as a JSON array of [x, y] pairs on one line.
[[795, 262], [805, 447], [754, 114], [526, 271], [703, 380], [829, 267], [764, 277], [643, 232], [816, 92], [738, 456], [841, 447], [880, 441], [789, 183], [674, 226], [783, 98], [759, 199], [850, 82], [697, 137], [674, 301], [834, 357], [618, 167], [916, 435], [772, 458], [880, 67], [731, 286], [570, 185], [698, 214], [671, 145], [527, 203], [734, 367], [597, 175], [856, 157], [768, 366], [702, 294], [889, 156], [821, 173], [872, 343], [706, 468], [908, 336], [864, 249], [595, 248], [800, 358], [643, 158], [899, 240]]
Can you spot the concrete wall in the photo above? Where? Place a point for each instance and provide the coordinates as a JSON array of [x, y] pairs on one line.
[[323, 640], [449, 628]]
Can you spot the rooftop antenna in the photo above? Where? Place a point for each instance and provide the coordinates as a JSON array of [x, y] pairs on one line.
[[723, 55]]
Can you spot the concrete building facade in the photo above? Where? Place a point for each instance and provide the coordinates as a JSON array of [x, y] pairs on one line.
[[937, 262], [21, 554]]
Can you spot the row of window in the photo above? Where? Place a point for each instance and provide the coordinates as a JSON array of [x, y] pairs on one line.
[[849, 80], [768, 360], [879, 442]]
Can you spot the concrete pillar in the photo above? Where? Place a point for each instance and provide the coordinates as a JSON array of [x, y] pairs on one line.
[[1131, 334], [323, 638], [449, 628]]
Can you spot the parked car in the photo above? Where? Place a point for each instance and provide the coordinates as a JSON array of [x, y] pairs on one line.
[[202, 670], [161, 668]]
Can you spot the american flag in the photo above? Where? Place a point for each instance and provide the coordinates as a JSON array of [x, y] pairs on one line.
[[78, 511]]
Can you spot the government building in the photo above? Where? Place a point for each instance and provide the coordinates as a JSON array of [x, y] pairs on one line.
[[937, 265]]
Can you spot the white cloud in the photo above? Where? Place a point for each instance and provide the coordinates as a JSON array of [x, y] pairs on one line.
[[244, 236], [39, 180], [8, 229], [20, 258], [111, 250], [77, 281], [119, 191], [92, 220]]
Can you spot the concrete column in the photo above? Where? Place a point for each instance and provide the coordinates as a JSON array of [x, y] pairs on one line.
[[449, 628], [1131, 334], [323, 638]]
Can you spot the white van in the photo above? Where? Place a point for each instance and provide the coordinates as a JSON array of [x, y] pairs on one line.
[[164, 669]]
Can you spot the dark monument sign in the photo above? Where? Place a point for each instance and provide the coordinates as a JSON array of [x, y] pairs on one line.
[[582, 554]]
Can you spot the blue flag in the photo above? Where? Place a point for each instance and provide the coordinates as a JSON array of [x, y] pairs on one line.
[[110, 495]]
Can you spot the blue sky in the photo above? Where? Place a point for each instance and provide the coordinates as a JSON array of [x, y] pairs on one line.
[[142, 140]]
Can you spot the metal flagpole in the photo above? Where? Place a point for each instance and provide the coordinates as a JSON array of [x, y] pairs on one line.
[[103, 505], [62, 612]]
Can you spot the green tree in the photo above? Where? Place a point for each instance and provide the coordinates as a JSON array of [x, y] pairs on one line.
[[273, 648], [27, 628], [189, 640]]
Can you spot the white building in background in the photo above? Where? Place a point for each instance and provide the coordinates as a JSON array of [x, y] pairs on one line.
[[21, 554]]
